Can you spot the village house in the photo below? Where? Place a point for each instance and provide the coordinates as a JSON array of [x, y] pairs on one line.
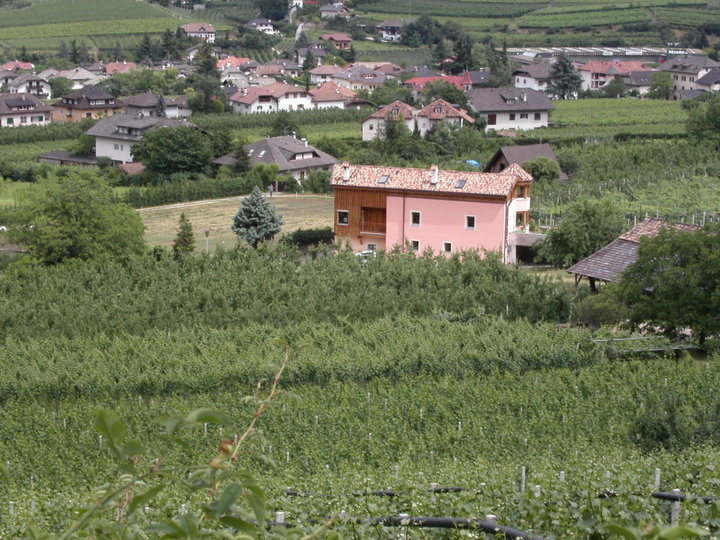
[[533, 76], [321, 74], [332, 11], [113, 68], [374, 124], [271, 98], [278, 68], [262, 25], [511, 108], [595, 75], [388, 69], [331, 95], [116, 135], [30, 84], [23, 109], [710, 82], [154, 105], [293, 156], [6, 77], [17, 66], [444, 212], [417, 84], [360, 78], [316, 49], [608, 263], [88, 102], [80, 77], [232, 62], [686, 70], [520, 154], [638, 82], [439, 111], [204, 31], [391, 29], [342, 42]]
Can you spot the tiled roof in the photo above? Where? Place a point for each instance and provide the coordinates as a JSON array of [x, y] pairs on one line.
[[639, 78], [108, 127], [281, 151], [421, 71], [486, 100], [431, 180], [388, 68], [689, 64], [198, 28], [440, 109], [395, 23], [84, 97], [711, 77], [232, 62], [331, 91], [336, 37], [458, 81], [394, 109], [119, 67], [326, 70], [148, 99], [613, 68], [609, 262], [361, 74], [536, 71], [18, 66]]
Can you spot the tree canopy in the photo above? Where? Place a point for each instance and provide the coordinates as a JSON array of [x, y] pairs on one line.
[[75, 217], [257, 220], [171, 150], [675, 282], [588, 225], [703, 123], [565, 81], [661, 85]]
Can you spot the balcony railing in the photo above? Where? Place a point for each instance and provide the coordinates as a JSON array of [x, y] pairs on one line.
[[373, 227]]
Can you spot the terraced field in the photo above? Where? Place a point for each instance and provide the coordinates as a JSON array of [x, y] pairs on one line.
[[100, 23]]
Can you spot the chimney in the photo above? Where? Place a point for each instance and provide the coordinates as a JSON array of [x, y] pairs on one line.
[[524, 96], [435, 174], [305, 141], [346, 171]]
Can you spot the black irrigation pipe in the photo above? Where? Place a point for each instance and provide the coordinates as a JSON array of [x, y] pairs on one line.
[[679, 497], [379, 492], [477, 525]]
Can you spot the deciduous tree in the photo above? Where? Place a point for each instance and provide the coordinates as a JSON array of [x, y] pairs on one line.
[[703, 123], [171, 150], [661, 85], [257, 220]]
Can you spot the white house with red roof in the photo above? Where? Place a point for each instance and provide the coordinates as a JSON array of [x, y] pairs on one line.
[[271, 98], [441, 111], [417, 84], [595, 75], [342, 42], [204, 31], [232, 62], [374, 124], [331, 95], [445, 212]]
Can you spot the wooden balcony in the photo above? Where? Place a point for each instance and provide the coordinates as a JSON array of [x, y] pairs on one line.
[[372, 220], [372, 227]]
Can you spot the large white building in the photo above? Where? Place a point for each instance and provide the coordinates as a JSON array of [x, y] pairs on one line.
[[511, 108], [23, 110], [271, 98]]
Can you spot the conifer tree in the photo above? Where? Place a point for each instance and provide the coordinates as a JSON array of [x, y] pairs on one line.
[[184, 243], [565, 81], [257, 220]]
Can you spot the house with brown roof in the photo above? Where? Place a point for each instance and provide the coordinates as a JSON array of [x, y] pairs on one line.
[[391, 29], [79, 76], [342, 42], [445, 212], [155, 105], [30, 84], [439, 111], [608, 263], [533, 76], [204, 31], [88, 102], [331, 11], [360, 78], [271, 98], [520, 154], [511, 108], [331, 95], [23, 109], [374, 124], [321, 74], [116, 135], [113, 68], [293, 156]]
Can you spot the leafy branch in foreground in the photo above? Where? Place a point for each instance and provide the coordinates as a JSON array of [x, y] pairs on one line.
[[236, 508]]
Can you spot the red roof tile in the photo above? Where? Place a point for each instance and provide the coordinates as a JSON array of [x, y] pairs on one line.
[[395, 109], [440, 109]]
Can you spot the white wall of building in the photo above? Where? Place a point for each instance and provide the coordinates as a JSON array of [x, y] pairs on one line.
[[25, 118], [115, 149], [523, 81], [518, 120]]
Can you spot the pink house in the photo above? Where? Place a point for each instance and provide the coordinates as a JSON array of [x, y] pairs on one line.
[[380, 207]]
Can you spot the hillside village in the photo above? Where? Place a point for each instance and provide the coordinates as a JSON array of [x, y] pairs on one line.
[[351, 268]]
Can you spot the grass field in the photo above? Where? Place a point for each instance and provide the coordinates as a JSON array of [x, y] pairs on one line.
[[299, 212]]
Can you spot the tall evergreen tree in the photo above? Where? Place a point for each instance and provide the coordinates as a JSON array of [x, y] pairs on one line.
[[184, 243], [118, 52], [84, 53], [146, 49], [169, 46], [565, 81], [257, 220], [205, 63], [309, 60], [63, 51], [74, 52]]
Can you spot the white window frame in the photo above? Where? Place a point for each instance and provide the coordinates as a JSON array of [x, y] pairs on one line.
[[415, 246], [467, 225], [412, 218], [347, 212], [447, 251]]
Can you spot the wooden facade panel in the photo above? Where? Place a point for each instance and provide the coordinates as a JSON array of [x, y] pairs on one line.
[[354, 200]]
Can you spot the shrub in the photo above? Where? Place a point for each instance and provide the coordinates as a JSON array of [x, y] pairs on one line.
[[310, 237]]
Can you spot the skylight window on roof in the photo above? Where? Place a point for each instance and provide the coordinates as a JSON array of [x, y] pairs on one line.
[[460, 184], [383, 179], [262, 153]]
